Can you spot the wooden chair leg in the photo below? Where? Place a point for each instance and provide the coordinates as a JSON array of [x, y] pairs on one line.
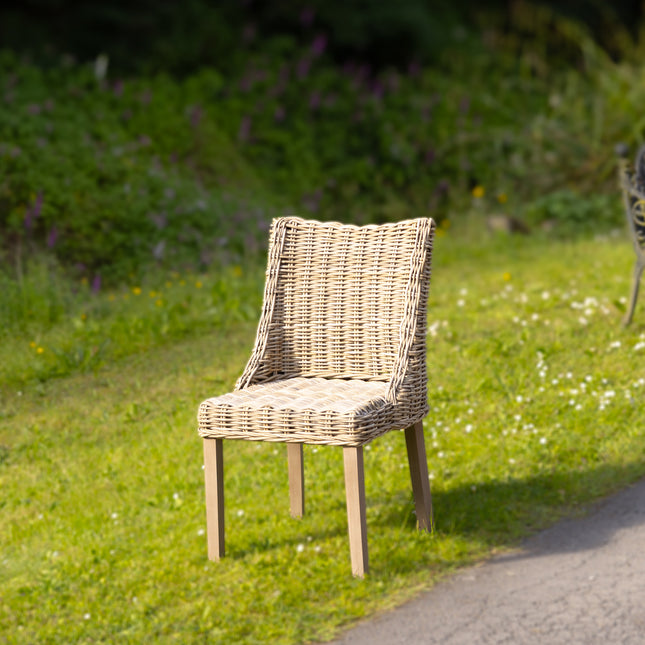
[[419, 475], [638, 270], [356, 521], [214, 479], [296, 479]]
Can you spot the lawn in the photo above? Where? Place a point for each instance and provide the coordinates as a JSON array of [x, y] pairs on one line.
[[536, 410]]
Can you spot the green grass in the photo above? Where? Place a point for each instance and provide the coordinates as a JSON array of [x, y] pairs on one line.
[[535, 394]]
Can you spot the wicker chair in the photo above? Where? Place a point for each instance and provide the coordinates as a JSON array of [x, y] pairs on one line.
[[339, 359], [632, 182]]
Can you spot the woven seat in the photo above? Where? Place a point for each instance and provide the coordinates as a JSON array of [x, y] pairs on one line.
[[339, 359], [632, 181]]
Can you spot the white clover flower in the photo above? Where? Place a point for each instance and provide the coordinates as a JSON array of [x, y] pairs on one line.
[[543, 441]]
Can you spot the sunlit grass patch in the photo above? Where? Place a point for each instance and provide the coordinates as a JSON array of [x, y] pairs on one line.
[[535, 392]]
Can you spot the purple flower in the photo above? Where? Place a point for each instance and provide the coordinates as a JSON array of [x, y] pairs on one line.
[[442, 187], [96, 283], [431, 155], [33, 108], [244, 133], [303, 68], [118, 88], [314, 100], [279, 113], [38, 204], [414, 69], [319, 45], [52, 237], [32, 213], [377, 90], [307, 16]]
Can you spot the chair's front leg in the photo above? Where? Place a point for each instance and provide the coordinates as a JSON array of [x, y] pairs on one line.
[[356, 520], [214, 479], [638, 270], [419, 475], [296, 479]]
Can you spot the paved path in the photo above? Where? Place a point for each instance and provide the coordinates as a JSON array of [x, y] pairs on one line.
[[582, 581]]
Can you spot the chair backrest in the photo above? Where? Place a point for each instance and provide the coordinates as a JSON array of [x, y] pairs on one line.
[[344, 301]]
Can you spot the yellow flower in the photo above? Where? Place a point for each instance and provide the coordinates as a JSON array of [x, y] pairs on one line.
[[40, 350], [111, 297], [136, 291], [83, 316], [168, 284], [84, 280], [159, 302], [507, 276], [502, 198], [32, 344], [153, 294], [237, 271], [198, 284], [478, 192]]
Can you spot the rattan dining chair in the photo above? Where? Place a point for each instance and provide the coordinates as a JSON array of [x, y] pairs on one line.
[[632, 180], [339, 359]]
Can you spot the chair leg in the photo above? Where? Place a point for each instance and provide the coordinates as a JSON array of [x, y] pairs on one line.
[[638, 270], [214, 479], [356, 521], [419, 475], [296, 479]]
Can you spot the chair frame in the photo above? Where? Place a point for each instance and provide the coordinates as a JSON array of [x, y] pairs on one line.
[[412, 334], [632, 181]]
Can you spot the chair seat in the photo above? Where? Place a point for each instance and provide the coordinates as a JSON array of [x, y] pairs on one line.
[[301, 410]]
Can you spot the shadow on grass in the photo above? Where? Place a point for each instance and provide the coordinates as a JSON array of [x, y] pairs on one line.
[[498, 514]]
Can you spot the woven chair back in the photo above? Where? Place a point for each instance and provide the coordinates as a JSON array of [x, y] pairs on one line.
[[344, 302]]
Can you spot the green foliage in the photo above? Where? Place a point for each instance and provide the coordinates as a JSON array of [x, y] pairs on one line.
[[568, 213], [535, 394], [114, 177]]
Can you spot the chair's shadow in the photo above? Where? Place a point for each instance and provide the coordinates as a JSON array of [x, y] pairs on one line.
[[502, 513]]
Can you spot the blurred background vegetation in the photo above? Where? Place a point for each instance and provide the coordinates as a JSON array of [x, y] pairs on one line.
[[164, 135]]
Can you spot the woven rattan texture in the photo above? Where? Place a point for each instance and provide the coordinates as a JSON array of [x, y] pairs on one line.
[[339, 356]]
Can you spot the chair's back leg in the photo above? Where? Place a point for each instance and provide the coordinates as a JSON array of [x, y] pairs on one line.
[[214, 479], [419, 475], [356, 520], [638, 270], [296, 479]]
